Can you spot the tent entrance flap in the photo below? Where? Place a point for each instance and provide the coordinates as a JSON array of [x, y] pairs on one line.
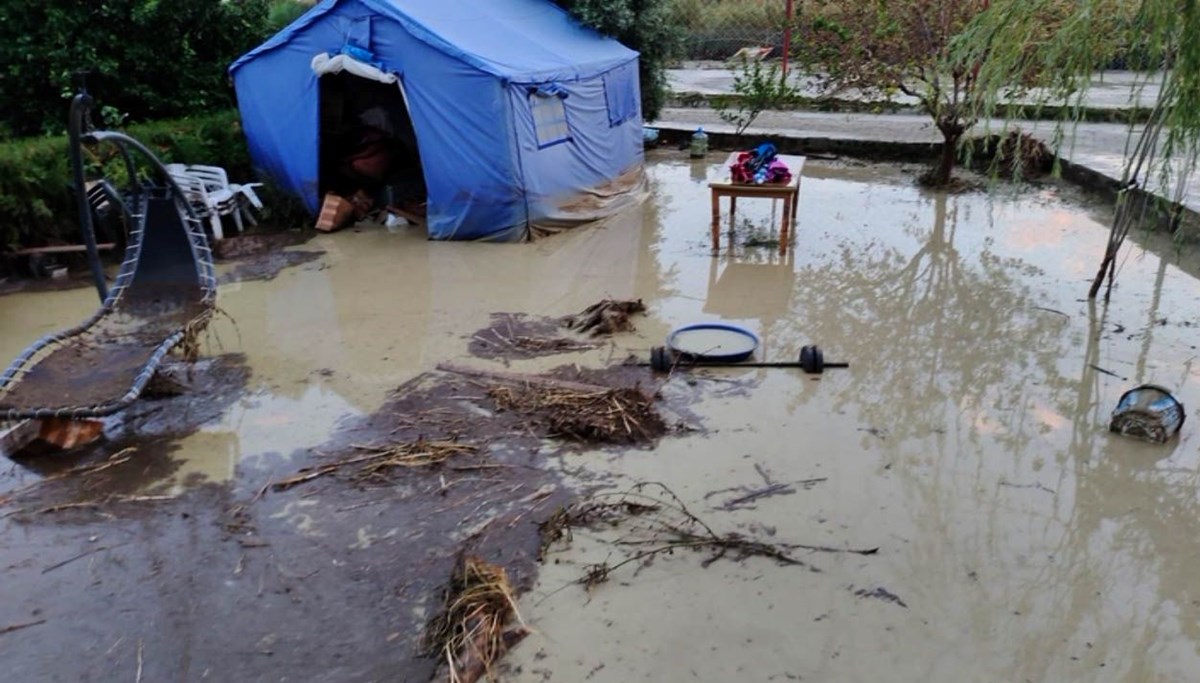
[[368, 144]]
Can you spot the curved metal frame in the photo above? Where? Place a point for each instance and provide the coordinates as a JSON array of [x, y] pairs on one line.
[[111, 297]]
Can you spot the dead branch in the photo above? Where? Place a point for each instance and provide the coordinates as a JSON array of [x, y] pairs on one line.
[[605, 317]]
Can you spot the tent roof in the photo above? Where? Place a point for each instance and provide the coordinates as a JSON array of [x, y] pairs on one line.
[[520, 40]]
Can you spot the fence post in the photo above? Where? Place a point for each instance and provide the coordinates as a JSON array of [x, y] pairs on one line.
[[787, 36]]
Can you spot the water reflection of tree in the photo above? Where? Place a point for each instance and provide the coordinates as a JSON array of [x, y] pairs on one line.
[[926, 332], [1132, 528], [939, 330]]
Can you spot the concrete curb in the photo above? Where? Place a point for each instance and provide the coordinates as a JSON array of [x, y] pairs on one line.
[[1028, 112]]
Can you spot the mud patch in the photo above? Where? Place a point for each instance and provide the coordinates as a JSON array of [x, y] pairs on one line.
[[258, 244], [410, 523], [517, 335], [267, 266]]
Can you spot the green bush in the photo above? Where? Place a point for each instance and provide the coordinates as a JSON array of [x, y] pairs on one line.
[[284, 12], [145, 59], [648, 26], [37, 204]]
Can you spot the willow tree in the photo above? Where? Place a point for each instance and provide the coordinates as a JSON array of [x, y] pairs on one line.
[[1012, 36], [884, 47]]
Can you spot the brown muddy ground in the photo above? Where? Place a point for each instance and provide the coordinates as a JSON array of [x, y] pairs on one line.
[[146, 562]]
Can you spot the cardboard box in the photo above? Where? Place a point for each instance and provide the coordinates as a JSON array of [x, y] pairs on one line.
[[336, 212]]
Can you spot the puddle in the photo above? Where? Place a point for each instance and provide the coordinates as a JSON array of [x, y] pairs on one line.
[[967, 440]]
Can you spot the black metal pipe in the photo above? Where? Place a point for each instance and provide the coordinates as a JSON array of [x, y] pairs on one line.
[[79, 108], [747, 364], [124, 142]]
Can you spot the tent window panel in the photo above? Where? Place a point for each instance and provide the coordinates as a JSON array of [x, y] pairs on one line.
[[620, 93], [549, 119]]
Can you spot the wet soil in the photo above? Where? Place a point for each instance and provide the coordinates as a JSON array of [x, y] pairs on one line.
[[254, 245], [330, 580], [267, 266]]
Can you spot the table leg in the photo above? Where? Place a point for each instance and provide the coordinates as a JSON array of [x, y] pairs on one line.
[[795, 204], [787, 215], [716, 220], [732, 211]]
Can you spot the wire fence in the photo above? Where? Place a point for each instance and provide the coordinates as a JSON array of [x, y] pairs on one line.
[[717, 29]]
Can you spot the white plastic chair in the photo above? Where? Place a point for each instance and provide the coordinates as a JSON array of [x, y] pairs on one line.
[[215, 177], [210, 203]]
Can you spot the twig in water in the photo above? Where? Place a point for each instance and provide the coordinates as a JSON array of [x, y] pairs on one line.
[[1051, 310], [668, 526], [1110, 373], [17, 627], [1037, 486], [772, 490], [80, 556], [831, 549]]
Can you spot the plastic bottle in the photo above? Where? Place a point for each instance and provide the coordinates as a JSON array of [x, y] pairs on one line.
[[699, 144]]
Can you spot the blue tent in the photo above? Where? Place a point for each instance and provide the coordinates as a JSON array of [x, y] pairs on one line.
[[524, 120]]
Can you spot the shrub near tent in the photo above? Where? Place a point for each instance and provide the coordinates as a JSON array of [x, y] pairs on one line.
[[36, 204]]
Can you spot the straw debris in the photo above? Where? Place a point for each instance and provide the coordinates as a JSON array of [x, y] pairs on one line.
[[606, 317], [609, 416], [380, 460], [517, 335], [474, 628]]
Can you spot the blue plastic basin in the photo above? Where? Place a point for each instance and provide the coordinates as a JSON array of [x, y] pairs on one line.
[[713, 342]]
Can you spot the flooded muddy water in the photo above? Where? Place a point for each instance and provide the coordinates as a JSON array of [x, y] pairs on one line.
[[1018, 540]]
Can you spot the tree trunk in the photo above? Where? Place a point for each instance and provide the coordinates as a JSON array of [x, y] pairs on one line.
[[945, 168], [1105, 266]]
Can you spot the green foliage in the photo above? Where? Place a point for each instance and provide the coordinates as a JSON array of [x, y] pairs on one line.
[[284, 12], [648, 26], [37, 205], [146, 58], [758, 87]]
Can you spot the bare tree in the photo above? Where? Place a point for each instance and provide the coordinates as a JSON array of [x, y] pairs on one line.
[[884, 47]]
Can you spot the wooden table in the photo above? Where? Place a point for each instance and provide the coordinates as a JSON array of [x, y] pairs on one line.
[[790, 194]]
